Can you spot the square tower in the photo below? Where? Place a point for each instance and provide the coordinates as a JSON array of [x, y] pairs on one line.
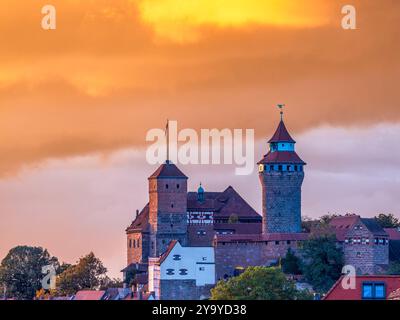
[[167, 208]]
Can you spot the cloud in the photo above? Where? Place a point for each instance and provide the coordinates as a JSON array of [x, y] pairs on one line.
[[100, 81]]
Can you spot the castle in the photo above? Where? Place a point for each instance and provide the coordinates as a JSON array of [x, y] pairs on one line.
[[182, 243]]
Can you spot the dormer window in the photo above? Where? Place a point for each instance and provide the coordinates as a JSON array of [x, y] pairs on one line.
[[373, 290]]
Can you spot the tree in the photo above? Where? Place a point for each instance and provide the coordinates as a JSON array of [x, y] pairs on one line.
[[111, 283], [21, 271], [258, 283], [88, 273], [291, 264], [387, 220], [323, 262]]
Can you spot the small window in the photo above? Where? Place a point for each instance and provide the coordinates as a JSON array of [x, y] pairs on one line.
[[130, 243], [138, 243], [271, 168], [367, 291], [183, 272], [172, 205], [170, 272], [201, 269], [177, 186], [134, 243], [276, 242], [288, 242], [295, 168], [177, 257], [204, 258], [280, 167], [166, 186]]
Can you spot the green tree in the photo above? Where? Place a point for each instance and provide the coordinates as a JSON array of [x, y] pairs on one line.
[[88, 273], [21, 271], [291, 264], [387, 220], [258, 283], [323, 262]]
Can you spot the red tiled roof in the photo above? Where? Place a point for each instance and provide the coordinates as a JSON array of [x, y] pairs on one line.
[[224, 204], [394, 233], [337, 292], [290, 157], [281, 134], [141, 223], [342, 224], [89, 295], [168, 170], [261, 237], [168, 251]]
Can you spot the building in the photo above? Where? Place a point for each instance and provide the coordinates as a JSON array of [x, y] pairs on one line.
[[223, 227], [281, 174], [365, 244], [366, 288], [182, 273]]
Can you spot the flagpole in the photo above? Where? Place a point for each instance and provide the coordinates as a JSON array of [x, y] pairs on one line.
[[167, 132]]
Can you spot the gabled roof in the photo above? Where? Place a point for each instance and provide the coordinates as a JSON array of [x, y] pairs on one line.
[[289, 157], [141, 222], [168, 251], [168, 170], [374, 227], [341, 225], [224, 204], [281, 134], [337, 292]]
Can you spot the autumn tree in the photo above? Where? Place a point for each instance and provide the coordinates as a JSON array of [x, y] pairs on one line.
[[88, 273]]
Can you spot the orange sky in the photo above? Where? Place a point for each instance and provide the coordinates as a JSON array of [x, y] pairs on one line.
[[111, 70], [114, 69]]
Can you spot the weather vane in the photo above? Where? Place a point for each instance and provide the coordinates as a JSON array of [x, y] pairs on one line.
[[280, 106]]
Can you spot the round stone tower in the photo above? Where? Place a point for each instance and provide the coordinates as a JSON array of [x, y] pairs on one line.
[[281, 174]]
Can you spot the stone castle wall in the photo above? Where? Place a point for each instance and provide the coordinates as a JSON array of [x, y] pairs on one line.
[[137, 247], [281, 200], [231, 255], [366, 257], [183, 290]]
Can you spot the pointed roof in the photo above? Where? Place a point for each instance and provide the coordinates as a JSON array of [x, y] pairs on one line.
[[281, 134], [168, 170]]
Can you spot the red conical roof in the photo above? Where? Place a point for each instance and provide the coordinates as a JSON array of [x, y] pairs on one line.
[[281, 134]]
